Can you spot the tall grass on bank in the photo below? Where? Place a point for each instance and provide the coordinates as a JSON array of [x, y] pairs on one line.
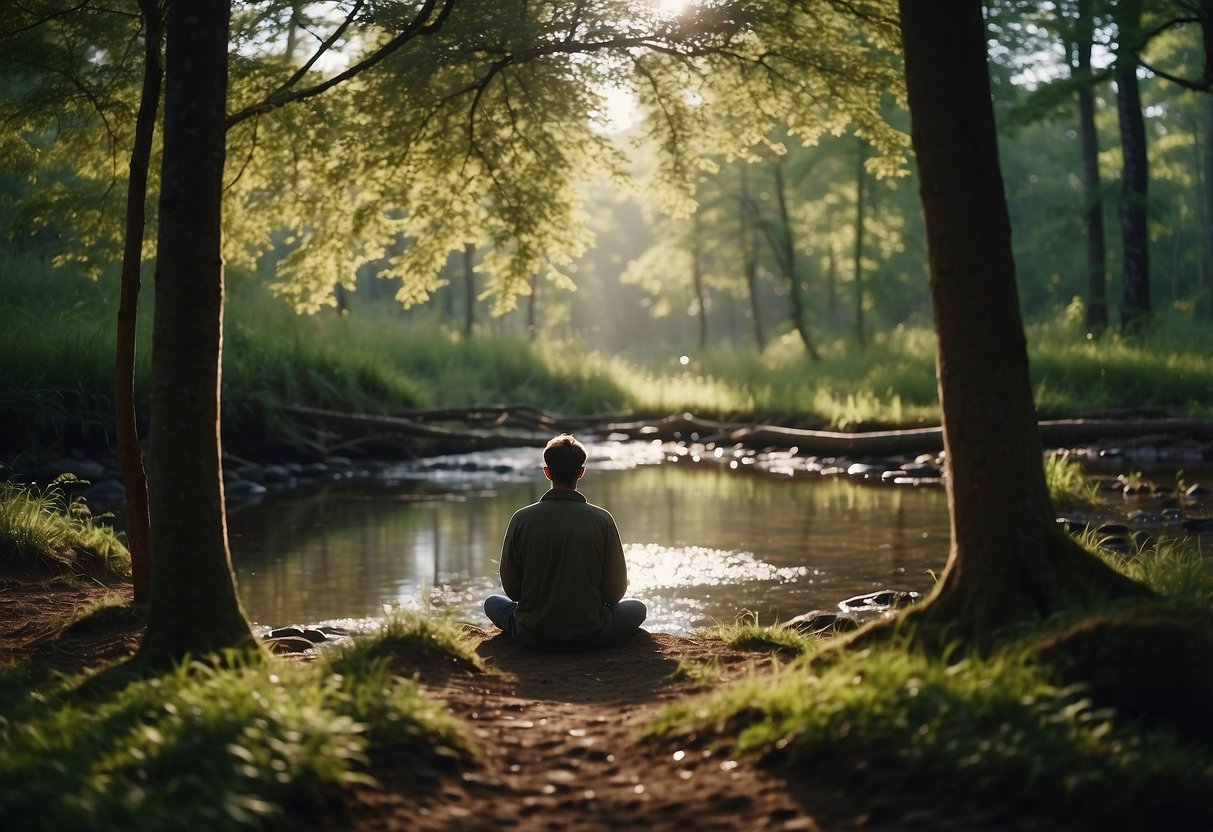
[[1068, 483], [44, 534], [242, 743], [966, 732], [58, 348]]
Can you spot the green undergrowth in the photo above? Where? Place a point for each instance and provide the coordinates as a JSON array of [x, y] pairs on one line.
[[745, 633], [239, 742], [959, 733], [45, 535], [1068, 483], [58, 352], [406, 637]]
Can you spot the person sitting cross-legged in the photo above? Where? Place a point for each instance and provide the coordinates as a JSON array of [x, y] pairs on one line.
[[562, 567]]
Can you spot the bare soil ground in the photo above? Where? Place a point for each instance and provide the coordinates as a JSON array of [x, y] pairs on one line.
[[560, 738]]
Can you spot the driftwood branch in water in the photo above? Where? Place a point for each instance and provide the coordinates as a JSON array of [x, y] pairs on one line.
[[539, 425], [1053, 434]]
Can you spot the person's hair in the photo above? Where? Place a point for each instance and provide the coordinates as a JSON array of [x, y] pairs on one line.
[[564, 456]]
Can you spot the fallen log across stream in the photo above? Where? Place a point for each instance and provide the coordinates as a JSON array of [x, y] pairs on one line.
[[521, 425]]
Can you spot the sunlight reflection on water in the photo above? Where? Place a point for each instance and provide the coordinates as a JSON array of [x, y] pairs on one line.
[[704, 543]]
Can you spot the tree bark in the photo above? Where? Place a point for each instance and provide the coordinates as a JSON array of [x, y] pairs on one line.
[[1205, 293], [1008, 560], [701, 301], [1097, 271], [130, 454], [859, 181], [1135, 176], [469, 289], [749, 256], [532, 309], [786, 254], [194, 609]]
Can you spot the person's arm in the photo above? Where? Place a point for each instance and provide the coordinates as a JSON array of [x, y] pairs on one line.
[[511, 564], [615, 569]]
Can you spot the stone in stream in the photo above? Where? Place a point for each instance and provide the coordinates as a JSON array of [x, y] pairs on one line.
[[289, 644], [880, 601], [822, 622]]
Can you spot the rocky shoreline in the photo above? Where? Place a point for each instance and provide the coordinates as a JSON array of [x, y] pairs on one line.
[[1147, 475]]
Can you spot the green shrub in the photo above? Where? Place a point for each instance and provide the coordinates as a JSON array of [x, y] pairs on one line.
[[43, 533]]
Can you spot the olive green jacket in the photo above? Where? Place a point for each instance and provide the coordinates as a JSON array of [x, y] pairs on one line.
[[562, 561]]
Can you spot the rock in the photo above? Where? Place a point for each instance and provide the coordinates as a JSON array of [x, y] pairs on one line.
[[252, 473], [1145, 453], [315, 470], [1073, 524], [276, 475], [1119, 544], [289, 645], [920, 471], [885, 599], [865, 470], [286, 632], [243, 490], [339, 463], [84, 469], [105, 493], [1112, 529], [822, 622]]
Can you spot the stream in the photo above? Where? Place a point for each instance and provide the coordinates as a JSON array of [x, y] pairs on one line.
[[704, 542]]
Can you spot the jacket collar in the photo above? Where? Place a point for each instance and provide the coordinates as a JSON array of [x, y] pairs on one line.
[[567, 494]]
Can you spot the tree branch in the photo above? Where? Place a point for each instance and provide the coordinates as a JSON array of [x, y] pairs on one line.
[[419, 27]]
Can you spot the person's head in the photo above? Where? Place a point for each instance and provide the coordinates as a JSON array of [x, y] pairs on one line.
[[564, 461]]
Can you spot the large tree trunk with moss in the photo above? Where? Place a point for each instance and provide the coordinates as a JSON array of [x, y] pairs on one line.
[[130, 454], [193, 608], [1009, 559]]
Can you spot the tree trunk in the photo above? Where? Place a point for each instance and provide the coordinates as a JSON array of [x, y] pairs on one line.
[[831, 272], [532, 309], [859, 180], [194, 608], [130, 454], [787, 257], [469, 289], [701, 300], [1205, 294], [1134, 181], [749, 255], [1009, 560], [1097, 271]]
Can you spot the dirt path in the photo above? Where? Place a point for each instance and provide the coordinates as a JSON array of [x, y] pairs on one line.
[[559, 735], [561, 746]]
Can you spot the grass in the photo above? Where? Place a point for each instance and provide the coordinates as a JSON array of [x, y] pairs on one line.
[[242, 743], [406, 635], [58, 355], [1068, 483], [745, 633], [44, 534], [966, 731]]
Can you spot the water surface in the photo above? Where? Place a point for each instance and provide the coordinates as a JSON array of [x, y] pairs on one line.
[[704, 542]]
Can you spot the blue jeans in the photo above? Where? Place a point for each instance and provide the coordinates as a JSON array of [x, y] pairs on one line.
[[626, 618]]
